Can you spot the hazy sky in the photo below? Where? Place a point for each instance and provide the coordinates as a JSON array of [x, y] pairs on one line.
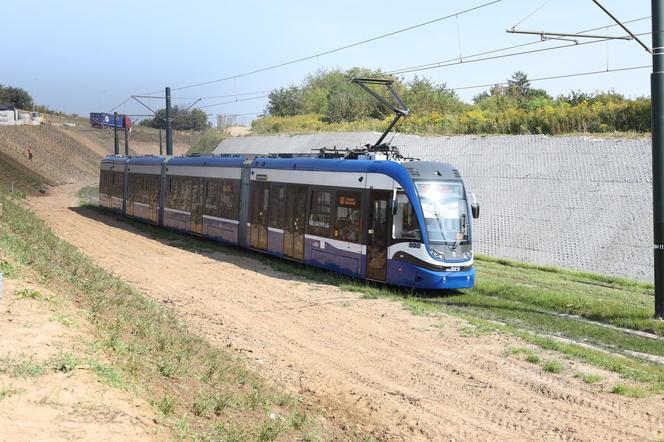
[[84, 56]]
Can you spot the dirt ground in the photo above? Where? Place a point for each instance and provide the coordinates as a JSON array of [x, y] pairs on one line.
[[239, 131], [55, 405], [368, 363]]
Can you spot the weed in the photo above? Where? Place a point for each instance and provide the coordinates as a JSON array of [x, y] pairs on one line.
[[529, 354], [7, 391], [553, 366], [24, 367], [166, 405], [63, 362], [227, 432], [297, 421], [26, 293], [182, 428], [270, 429], [533, 359], [628, 390], [111, 375], [589, 378], [7, 270], [65, 319]]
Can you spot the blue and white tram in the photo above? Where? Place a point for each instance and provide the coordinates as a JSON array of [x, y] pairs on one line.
[[405, 223]]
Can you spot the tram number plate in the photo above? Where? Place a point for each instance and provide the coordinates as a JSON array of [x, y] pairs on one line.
[[454, 269]]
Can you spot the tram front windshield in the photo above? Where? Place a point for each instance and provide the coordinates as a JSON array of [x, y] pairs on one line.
[[445, 211]]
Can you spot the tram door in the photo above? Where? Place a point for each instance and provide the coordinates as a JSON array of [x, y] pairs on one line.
[[260, 198], [197, 199], [296, 205], [378, 230]]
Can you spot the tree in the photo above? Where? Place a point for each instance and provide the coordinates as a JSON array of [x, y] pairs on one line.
[[518, 85], [182, 119], [16, 97], [284, 102]]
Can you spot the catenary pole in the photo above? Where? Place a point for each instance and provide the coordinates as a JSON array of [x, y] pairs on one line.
[[126, 134], [116, 141], [657, 97], [169, 126]]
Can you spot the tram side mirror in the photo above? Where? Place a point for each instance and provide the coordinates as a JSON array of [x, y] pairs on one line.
[[475, 208]]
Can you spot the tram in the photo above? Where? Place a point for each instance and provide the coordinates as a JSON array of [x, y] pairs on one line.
[[368, 213]]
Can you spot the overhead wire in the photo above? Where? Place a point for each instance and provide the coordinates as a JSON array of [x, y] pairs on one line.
[[507, 48], [556, 77], [232, 101], [546, 2], [471, 59], [338, 49]]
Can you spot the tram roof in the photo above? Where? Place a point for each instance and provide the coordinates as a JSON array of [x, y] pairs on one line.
[[414, 169], [207, 161]]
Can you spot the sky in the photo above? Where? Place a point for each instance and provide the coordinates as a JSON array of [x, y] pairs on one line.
[[89, 56]]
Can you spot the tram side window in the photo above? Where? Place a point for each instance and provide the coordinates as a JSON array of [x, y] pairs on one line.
[[277, 206], [221, 199], [212, 198], [153, 184], [320, 214], [133, 186], [347, 224], [228, 204], [405, 221], [176, 197], [105, 182], [117, 183], [140, 188]]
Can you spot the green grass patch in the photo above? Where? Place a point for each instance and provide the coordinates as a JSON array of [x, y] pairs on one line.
[[88, 195], [589, 378], [166, 405], [64, 362], [150, 349], [8, 270], [110, 375], [65, 319], [21, 367], [27, 293], [533, 359], [553, 366], [629, 391]]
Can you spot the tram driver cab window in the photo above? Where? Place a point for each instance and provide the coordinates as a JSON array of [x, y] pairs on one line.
[[405, 221]]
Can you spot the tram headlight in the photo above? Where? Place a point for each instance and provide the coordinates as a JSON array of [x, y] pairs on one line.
[[468, 255], [437, 254]]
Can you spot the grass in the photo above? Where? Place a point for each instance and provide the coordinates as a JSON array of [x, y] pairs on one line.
[[8, 270], [21, 367], [88, 195], [629, 391], [110, 375], [589, 378], [533, 359], [27, 293], [63, 362], [553, 366], [207, 142], [150, 349]]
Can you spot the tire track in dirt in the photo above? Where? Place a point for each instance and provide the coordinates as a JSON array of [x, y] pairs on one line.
[[369, 363]]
